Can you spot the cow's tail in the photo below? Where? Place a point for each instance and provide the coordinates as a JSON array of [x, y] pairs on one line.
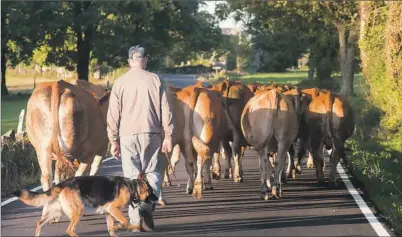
[[37, 199], [246, 126], [54, 103], [199, 145], [330, 129]]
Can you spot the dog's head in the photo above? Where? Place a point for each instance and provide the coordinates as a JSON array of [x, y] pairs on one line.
[[144, 190]]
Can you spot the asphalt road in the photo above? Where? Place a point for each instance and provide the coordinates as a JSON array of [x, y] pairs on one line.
[[233, 209]]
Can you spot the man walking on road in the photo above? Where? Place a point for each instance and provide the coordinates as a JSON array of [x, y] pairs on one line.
[[138, 110]]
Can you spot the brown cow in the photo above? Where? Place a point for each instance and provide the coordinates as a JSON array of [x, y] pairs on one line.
[[308, 95], [235, 96], [269, 123], [64, 120], [330, 121], [199, 118]]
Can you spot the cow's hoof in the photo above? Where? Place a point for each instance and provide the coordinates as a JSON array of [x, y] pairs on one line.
[[275, 193], [166, 184], [189, 190], [209, 186], [264, 196], [335, 184], [197, 192], [298, 169], [162, 203], [294, 174], [238, 179], [216, 174], [228, 174]]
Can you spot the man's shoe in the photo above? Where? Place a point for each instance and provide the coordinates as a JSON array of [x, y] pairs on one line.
[[147, 222]]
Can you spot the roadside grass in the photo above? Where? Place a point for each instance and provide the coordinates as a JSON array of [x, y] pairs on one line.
[[266, 78], [10, 111], [376, 157]]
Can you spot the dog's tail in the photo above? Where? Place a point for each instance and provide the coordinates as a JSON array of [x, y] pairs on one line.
[[38, 199]]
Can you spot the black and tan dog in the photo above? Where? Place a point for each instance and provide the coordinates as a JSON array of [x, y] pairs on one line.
[[106, 194]]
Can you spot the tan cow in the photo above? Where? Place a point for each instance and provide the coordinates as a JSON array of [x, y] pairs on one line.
[[66, 122], [199, 119], [269, 123], [235, 96]]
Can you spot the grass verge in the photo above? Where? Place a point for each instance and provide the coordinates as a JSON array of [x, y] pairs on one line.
[[376, 161], [19, 166]]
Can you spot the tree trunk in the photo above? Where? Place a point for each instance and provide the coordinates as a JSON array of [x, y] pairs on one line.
[[84, 33], [4, 90], [349, 67], [364, 13], [342, 46], [84, 49], [393, 42], [347, 49]]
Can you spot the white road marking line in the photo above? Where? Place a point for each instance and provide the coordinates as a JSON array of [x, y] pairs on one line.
[[39, 187], [377, 226]]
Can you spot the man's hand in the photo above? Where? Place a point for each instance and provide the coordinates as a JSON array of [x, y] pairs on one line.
[[167, 145], [115, 149]]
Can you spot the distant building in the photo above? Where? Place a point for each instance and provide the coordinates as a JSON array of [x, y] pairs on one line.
[[230, 31]]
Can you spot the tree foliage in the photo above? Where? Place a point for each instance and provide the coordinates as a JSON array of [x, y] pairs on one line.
[[80, 35], [283, 30]]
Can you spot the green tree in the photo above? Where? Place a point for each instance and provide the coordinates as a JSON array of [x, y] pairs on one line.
[[23, 27], [284, 29]]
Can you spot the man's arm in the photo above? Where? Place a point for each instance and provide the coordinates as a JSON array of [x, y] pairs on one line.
[[167, 117], [113, 114]]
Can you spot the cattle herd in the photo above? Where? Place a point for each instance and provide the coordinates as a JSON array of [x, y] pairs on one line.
[[66, 122]]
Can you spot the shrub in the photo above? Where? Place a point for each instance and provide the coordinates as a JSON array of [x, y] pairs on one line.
[[19, 165]]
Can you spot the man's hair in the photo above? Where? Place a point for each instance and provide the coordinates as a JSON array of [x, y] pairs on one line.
[[136, 51]]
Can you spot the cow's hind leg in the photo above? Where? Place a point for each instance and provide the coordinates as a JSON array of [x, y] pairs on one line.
[[237, 159], [95, 165], [216, 168], [291, 171], [283, 148], [338, 151], [199, 183], [316, 151], [310, 160], [207, 174], [45, 162], [263, 160], [81, 169], [228, 155]]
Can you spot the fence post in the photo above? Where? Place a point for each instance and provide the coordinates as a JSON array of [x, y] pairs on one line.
[[21, 122]]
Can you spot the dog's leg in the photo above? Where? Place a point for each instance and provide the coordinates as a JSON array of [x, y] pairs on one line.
[[118, 215], [41, 223], [110, 222], [75, 218]]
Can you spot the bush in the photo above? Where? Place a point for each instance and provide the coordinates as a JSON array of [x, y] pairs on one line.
[[19, 165]]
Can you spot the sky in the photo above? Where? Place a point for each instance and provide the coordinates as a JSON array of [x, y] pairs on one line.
[[230, 22]]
